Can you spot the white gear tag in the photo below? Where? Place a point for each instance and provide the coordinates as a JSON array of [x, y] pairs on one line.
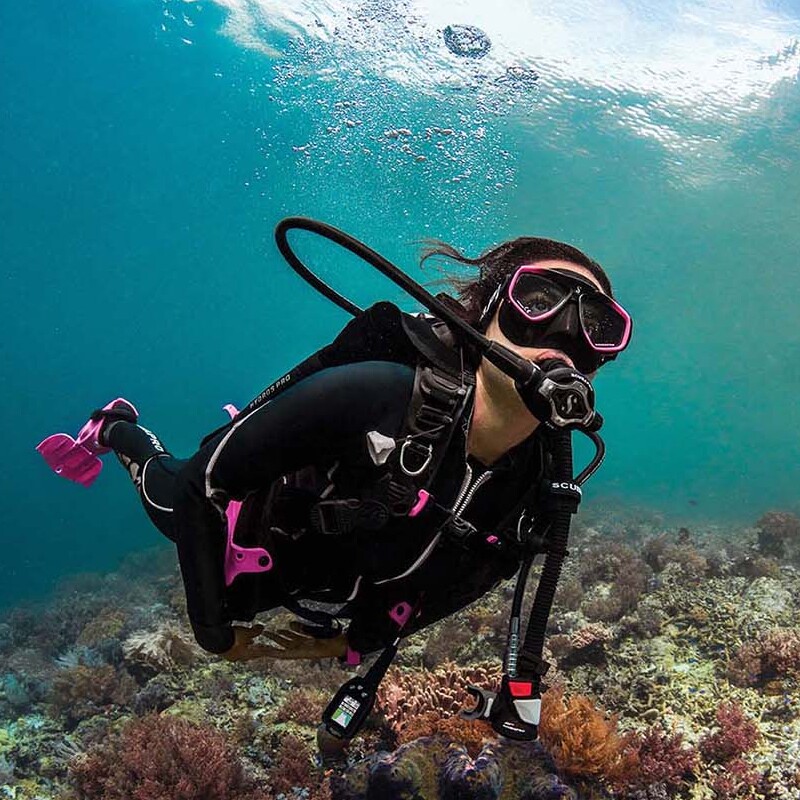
[[380, 447]]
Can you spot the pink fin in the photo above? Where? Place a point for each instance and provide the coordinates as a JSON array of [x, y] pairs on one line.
[[79, 459], [69, 459]]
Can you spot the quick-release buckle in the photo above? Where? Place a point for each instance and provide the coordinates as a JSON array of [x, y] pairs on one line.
[[459, 529], [336, 517]]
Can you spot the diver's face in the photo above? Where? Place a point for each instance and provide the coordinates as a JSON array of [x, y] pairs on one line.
[[539, 354]]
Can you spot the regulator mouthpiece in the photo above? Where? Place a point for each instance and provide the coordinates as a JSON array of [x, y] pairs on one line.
[[560, 397]]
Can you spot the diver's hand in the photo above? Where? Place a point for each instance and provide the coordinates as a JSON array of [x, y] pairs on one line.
[[243, 648], [295, 642]]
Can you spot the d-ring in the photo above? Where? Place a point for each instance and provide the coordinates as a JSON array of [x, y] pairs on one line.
[[428, 459]]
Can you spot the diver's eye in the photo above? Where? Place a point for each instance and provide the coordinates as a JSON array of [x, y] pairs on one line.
[[539, 303]]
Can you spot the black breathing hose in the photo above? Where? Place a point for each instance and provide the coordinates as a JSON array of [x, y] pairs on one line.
[[561, 448]]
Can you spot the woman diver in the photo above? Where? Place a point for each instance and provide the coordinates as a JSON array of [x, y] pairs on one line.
[[369, 480]]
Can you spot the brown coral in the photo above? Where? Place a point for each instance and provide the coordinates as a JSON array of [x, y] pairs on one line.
[[303, 705], [778, 533], [163, 758], [107, 625], [587, 645], [82, 691], [294, 767], [471, 733], [582, 739]]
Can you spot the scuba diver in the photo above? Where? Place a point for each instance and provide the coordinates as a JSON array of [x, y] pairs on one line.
[[401, 472]]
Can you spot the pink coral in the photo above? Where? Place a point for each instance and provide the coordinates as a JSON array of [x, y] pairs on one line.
[[405, 694], [163, 758], [738, 780], [294, 767], [774, 655], [661, 757], [736, 735], [592, 635]]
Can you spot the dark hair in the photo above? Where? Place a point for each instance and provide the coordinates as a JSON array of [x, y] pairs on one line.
[[496, 264]]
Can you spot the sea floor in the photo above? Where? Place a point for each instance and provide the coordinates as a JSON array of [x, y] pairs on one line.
[[675, 668]]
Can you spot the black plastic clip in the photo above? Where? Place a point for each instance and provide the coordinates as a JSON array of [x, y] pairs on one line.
[[513, 711], [336, 517], [458, 529]]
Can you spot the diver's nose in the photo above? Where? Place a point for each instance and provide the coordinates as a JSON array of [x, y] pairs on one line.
[[566, 322]]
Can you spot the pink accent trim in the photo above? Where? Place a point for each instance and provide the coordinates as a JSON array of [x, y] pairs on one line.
[[541, 317], [242, 559], [352, 658], [422, 499], [492, 539], [401, 613]]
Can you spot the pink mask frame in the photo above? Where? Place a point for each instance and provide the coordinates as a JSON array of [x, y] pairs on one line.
[[582, 287]]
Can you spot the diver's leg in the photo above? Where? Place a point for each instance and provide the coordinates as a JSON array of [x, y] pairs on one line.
[[151, 466]]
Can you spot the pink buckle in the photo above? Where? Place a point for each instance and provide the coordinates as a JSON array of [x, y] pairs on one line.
[[422, 499], [401, 613], [240, 559]]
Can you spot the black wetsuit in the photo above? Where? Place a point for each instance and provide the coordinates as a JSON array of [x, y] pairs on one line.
[[323, 421]]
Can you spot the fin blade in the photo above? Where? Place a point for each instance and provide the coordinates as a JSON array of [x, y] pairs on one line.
[[69, 459]]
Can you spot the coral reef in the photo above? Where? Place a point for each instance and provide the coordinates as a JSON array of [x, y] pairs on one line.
[[406, 694], [779, 535], [587, 645], [163, 758], [583, 740], [163, 649], [82, 692], [661, 758], [472, 734], [736, 735], [434, 769], [677, 677], [303, 705], [294, 768], [775, 655]]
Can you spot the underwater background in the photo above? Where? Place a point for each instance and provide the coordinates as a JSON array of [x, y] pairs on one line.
[[147, 150]]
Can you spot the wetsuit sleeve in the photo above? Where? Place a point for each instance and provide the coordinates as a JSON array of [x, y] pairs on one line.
[[452, 578], [322, 418]]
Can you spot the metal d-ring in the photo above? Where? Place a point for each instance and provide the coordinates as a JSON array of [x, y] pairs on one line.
[[428, 459], [523, 519]]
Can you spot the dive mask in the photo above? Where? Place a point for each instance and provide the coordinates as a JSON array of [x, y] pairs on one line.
[[552, 308]]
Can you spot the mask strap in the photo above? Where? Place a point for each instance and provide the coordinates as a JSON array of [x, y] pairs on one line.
[[488, 309]]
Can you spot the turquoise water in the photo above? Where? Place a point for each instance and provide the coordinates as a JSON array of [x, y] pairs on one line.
[[148, 149]]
